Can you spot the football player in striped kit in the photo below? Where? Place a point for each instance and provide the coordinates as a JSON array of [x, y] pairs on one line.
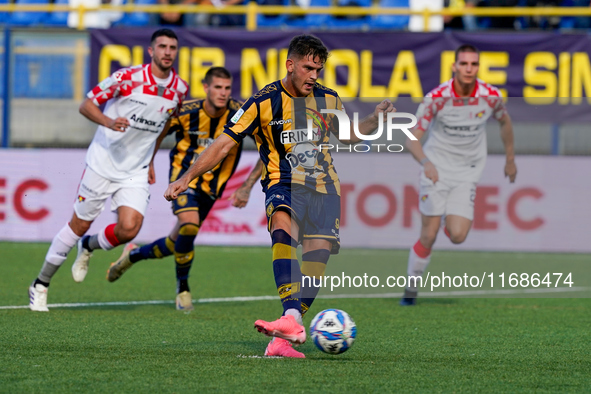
[[299, 179], [199, 124]]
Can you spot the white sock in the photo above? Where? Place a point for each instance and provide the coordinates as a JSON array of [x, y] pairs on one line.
[[103, 241], [295, 313], [416, 267], [61, 245]]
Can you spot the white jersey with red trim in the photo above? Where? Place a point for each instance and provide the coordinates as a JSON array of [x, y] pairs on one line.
[[456, 144], [134, 94]]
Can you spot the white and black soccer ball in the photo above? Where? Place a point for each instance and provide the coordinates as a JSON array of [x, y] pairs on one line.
[[333, 331]]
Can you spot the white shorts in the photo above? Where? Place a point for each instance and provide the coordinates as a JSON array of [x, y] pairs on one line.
[[94, 190], [446, 197]]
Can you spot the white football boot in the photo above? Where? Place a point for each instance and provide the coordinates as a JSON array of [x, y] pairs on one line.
[[80, 266], [38, 298]]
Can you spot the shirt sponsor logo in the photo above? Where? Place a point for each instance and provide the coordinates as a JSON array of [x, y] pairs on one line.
[[138, 102], [303, 155], [299, 135], [106, 83], [86, 188], [273, 197], [461, 131], [204, 142], [141, 120], [237, 115], [168, 111], [279, 122]]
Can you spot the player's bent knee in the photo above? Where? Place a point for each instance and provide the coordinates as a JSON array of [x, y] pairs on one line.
[[458, 238], [281, 220], [190, 229], [79, 226], [125, 237], [127, 231]]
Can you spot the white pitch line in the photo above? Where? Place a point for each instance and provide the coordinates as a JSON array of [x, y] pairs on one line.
[[327, 297]]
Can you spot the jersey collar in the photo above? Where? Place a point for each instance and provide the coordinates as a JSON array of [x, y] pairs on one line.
[[153, 81], [453, 89], [210, 115], [284, 88]]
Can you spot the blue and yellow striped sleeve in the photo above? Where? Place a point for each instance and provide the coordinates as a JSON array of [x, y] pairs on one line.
[[246, 121]]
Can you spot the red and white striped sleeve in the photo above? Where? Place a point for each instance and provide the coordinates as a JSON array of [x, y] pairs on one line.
[[182, 91], [498, 105], [110, 87], [431, 104]]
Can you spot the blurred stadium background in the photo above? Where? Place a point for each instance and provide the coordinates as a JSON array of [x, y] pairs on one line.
[[537, 52], [50, 64], [127, 336]]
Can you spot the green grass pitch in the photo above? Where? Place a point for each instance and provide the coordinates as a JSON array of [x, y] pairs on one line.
[[441, 345]]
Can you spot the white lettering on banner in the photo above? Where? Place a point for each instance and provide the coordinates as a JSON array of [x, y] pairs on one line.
[[543, 211]]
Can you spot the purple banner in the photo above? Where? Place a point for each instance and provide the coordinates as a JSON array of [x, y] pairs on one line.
[[550, 71]]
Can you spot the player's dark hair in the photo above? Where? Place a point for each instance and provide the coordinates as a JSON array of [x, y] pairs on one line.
[[219, 72], [466, 48], [163, 32], [307, 45]]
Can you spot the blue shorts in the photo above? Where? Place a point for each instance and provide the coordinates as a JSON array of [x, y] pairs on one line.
[[193, 200], [316, 214]]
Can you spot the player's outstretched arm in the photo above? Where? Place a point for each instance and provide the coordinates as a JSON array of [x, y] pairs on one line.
[[240, 197], [507, 137], [94, 114], [369, 124], [210, 158]]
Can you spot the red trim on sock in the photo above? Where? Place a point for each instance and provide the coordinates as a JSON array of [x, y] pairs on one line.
[[446, 231], [421, 251], [110, 235]]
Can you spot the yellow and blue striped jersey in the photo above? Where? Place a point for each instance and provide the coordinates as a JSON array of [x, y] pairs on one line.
[[278, 122], [194, 131]]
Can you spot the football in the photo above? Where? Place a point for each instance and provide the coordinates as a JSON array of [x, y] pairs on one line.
[[333, 331]]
